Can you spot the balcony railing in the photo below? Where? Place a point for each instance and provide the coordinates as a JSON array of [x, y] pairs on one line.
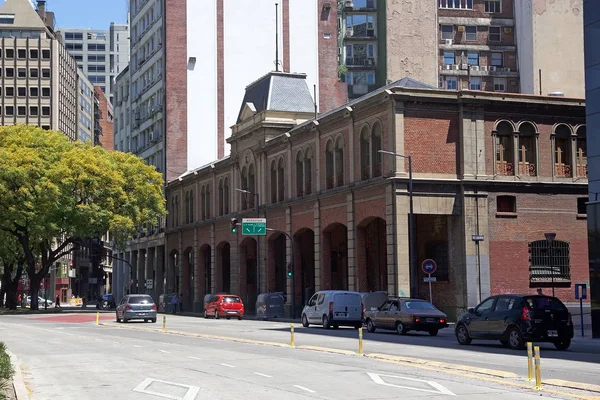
[[582, 170], [527, 169], [360, 61], [505, 168], [563, 170]]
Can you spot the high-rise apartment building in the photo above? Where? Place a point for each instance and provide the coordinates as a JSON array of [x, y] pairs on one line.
[[100, 54], [39, 77], [492, 45], [85, 119]]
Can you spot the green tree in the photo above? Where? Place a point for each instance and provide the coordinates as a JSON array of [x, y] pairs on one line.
[[55, 192]]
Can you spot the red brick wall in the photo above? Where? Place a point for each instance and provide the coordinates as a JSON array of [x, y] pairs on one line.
[[285, 16], [175, 88], [536, 215], [478, 11], [332, 92], [430, 137], [107, 140], [220, 81]]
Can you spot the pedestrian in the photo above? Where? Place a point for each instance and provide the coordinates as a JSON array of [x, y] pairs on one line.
[[57, 304], [181, 302], [539, 291], [174, 303]]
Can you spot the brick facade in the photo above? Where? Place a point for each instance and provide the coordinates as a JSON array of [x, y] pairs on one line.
[[107, 140]]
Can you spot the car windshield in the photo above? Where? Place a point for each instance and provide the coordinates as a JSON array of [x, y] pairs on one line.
[[140, 300], [419, 305], [232, 299]]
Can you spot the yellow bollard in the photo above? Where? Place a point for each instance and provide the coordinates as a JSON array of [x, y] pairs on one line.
[[529, 361], [538, 373], [360, 342], [164, 323], [292, 342], [97, 318]]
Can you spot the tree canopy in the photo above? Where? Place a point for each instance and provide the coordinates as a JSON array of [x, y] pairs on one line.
[[53, 192]]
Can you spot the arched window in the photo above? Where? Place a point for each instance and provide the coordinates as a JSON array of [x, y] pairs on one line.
[[221, 198], [581, 155], [504, 149], [226, 196], [365, 153], [300, 174], [329, 176], [376, 144], [273, 182], [203, 203], [339, 161], [527, 149], [244, 196], [549, 263], [280, 180], [308, 171], [562, 151], [251, 186]]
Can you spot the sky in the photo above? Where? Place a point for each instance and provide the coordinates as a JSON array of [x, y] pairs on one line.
[[86, 13]]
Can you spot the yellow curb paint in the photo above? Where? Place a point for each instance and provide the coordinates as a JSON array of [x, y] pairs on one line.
[[327, 350], [573, 385]]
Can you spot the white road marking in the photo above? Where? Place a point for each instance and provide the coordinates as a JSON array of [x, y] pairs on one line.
[[191, 393], [377, 378], [164, 351], [265, 375], [137, 345], [195, 358], [228, 365], [303, 388]]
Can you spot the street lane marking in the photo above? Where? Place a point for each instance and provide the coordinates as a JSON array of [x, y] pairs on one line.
[[192, 391], [265, 375], [164, 351], [228, 365], [195, 358], [377, 378], [303, 388], [137, 345]]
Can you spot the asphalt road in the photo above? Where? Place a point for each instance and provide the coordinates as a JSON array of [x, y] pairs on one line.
[[79, 360], [581, 363]]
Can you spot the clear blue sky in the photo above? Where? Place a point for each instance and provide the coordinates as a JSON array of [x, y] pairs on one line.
[[95, 14]]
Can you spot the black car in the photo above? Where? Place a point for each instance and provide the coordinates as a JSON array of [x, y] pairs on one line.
[[516, 320]]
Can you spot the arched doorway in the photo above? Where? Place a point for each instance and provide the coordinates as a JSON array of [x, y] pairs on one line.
[[371, 248], [173, 272], [204, 271], [277, 274], [248, 275], [304, 264], [223, 267], [187, 279], [335, 257]]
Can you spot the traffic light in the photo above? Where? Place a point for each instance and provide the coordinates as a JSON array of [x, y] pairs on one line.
[[234, 223], [290, 273]]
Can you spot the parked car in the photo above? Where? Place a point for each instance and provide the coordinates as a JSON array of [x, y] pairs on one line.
[[334, 308], [224, 305], [40, 302], [517, 319], [136, 306], [403, 315]]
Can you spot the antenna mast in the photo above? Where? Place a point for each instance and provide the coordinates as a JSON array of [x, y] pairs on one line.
[[277, 37]]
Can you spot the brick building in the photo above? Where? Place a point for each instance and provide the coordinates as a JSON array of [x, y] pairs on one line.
[[105, 119], [508, 167]]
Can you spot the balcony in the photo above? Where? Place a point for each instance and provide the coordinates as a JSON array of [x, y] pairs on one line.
[[360, 61], [563, 171], [505, 168], [477, 70], [527, 169]]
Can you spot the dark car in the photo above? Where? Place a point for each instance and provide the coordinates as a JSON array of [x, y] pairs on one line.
[[403, 315], [516, 319]]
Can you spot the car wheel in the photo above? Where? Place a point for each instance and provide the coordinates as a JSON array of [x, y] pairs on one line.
[[400, 328], [239, 318], [305, 321], [515, 339], [462, 335], [125, 320], [153, 320], [371, 326], [562, 344], [205, 314], [325, 322], [433, 332], [216, 314], [117, 316]]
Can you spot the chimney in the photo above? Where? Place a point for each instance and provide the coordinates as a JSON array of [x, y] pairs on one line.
[[41, 9]]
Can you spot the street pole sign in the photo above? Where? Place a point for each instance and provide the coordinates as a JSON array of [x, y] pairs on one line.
[[581, 294], [149, 283], [429, 266], [254, 226]]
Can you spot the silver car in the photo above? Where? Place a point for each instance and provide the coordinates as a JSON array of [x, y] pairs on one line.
[[136, 306]]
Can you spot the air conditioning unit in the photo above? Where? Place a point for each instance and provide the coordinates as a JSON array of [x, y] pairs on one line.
[[455, 67], [475, 67], [507, 30], [349, 32], [464, 66], [449, 42], [483, 68], [493, 68]]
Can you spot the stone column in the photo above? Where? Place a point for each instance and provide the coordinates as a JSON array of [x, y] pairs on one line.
[[351, 242], [318, 250], [134, 271], [160, 270], [150, 271], [399, 274], [141, 267]]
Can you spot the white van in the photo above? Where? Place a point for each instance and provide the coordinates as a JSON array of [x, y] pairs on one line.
[[334, 308]]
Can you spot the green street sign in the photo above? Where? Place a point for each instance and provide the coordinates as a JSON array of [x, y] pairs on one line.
[[254, 226]]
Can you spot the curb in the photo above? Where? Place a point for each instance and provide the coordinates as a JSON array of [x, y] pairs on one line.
[[587, 387], [18, 382]]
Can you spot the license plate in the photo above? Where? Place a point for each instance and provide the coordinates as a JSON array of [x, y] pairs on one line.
[[552, 334], [341, 314], [430, 320]]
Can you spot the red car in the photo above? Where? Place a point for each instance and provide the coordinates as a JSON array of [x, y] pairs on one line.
[[224, 305]]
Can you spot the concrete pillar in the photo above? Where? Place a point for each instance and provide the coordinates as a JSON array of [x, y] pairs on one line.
[[399, 274], [134, 271], [317, 243], [361, 260], [160, 270], [150, 271], [142, 271]]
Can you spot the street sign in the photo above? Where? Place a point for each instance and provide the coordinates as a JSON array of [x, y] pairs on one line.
[[254, 226], [477, 238], [430, 279], [429, 266], [580, 291], [149, 283]]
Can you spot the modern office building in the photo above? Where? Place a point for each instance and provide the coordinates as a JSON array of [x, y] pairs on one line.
[[592, 75], [491, 45], [85, 119]]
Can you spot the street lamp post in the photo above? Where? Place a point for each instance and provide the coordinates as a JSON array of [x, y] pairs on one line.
[[550, 238], [257, 239], [411, 228]]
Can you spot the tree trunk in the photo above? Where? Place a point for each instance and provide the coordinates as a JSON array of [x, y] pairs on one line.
[[34, 290], [10, 284]]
